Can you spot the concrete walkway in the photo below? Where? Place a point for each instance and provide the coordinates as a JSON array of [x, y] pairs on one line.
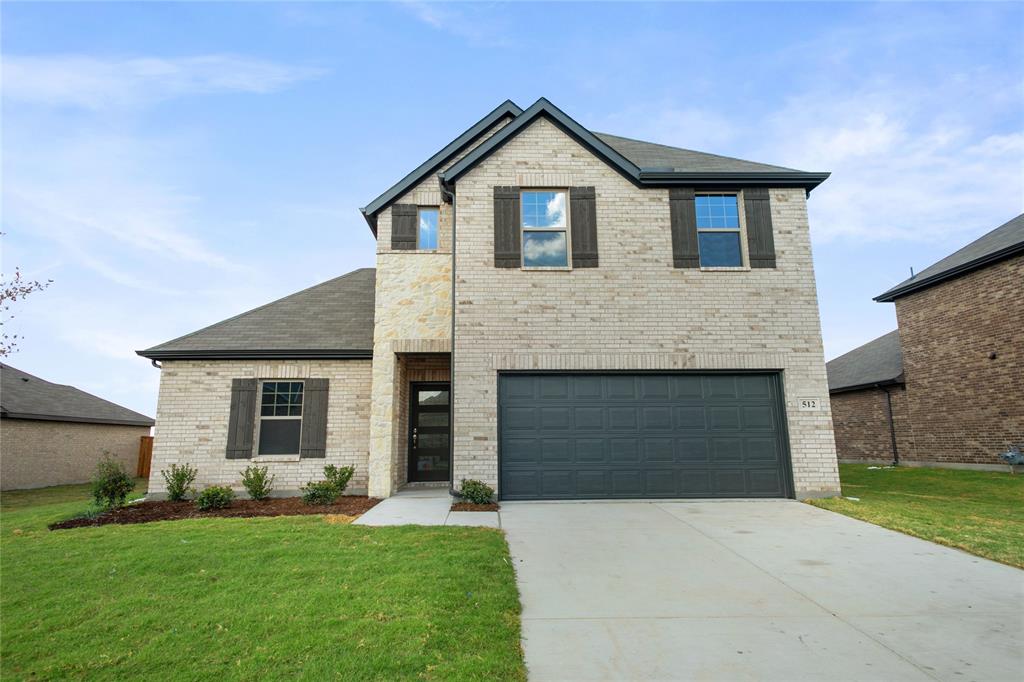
[[773, 590], [424, 507]]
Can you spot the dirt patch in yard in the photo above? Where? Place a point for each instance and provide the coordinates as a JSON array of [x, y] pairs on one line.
[[144, 512], [469, 506]]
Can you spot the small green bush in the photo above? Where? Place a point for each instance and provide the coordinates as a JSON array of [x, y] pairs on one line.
[[111, 484], [179, 481], [320, 492], [339, 476], [476, 492], [215, 497], [257, 483]]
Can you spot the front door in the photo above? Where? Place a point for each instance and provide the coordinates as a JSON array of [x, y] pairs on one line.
[[429, 432]]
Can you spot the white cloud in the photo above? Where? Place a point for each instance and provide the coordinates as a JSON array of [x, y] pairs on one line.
[[98, 83], [475, 23]]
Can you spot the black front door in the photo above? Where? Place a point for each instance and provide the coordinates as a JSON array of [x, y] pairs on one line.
[[429, 432]]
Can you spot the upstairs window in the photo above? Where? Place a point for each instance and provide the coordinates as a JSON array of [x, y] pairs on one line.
[[426, 232], [545, 238], [280, 418], [718, 231]]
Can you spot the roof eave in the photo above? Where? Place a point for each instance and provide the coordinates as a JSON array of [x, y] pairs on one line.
[[264, 354], [507, 109], [976, 264], [76, 420], [807, 181], [896, 381]]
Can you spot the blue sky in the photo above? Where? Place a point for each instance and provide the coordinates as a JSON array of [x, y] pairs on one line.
[[170, 165]]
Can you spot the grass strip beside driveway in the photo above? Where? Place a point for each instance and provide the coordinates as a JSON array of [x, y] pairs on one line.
[[262, 598], [976, 511]]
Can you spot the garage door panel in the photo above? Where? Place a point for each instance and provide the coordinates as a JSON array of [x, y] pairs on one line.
[[642, 435], [659, 450], [627, 483], [625, 450]]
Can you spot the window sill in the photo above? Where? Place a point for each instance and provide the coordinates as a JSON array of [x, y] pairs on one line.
[[738, 268], [566, 268], [260, 459]]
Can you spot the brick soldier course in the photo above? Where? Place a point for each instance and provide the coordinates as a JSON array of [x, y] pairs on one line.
[[637, 310]]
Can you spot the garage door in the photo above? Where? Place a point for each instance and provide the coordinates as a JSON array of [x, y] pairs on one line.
[[580, 436]]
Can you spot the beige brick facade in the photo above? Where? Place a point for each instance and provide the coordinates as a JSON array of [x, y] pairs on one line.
[[194, 408], [635, 311], [36, 453]]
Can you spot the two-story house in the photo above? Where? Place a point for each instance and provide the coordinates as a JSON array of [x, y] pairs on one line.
[[557, 312]]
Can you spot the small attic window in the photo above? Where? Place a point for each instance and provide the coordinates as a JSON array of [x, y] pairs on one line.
[[426, 231]]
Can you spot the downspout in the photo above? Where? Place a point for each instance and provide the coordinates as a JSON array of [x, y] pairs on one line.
[[892, 426], [448, 195]]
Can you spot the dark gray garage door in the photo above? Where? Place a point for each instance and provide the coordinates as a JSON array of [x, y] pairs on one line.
[[565, 436]]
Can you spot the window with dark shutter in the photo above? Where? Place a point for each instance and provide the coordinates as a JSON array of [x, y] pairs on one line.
[[241, 420], [507, 252], [683, 219], [314, 419], [760, 237], [583, 217], [403, 226]]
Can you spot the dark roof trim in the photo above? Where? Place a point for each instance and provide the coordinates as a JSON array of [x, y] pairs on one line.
[[768, 178], [507, 109], [271, 354], [937, 278], [542, 107], [75, 420], [898, 381], [654, 177]]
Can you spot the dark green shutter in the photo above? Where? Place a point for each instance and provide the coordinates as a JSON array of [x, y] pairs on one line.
[[242, 419], [683, 216], [506, 228], [760, 240], [403, 226], [314, 418], [583, 214]]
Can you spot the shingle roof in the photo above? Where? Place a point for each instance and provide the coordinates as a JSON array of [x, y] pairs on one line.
[[644, 163], [876, 362], [650, 156], [330, 320], [1002, 242], [24, 396]]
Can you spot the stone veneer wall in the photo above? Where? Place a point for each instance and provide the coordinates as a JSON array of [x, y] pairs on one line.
[[965, 406], [36, 453], [412, 315], [861, 422], [635, 311], [194, 406]]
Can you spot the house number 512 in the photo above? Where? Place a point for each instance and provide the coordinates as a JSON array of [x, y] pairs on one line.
[[808, 404]]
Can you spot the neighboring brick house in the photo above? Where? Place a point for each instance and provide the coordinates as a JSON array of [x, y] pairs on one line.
[[52, 434], [630, 320], [954, 370]]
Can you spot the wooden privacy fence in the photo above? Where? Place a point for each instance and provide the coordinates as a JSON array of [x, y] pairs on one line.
[[145, 455]]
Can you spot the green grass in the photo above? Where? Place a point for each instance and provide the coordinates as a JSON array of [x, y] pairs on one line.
[[245, 599], [976, 511]]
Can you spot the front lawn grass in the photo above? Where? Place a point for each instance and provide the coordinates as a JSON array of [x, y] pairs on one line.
[[245, 599], [976, 511]]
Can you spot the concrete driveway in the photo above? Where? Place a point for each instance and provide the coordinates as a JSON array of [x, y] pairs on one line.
[[773, 590]]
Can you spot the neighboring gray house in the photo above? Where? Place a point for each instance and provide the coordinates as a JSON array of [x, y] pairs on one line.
[[52, 434], [557, 312]]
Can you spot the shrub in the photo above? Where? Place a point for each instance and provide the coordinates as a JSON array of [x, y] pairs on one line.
[[320, 492], [339, 477], [215, 497], [179, 481], [111, 484], [257, 483], [476, 492]]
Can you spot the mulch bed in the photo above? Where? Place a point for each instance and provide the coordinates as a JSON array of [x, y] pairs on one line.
[[144, 512], [469, 506]]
